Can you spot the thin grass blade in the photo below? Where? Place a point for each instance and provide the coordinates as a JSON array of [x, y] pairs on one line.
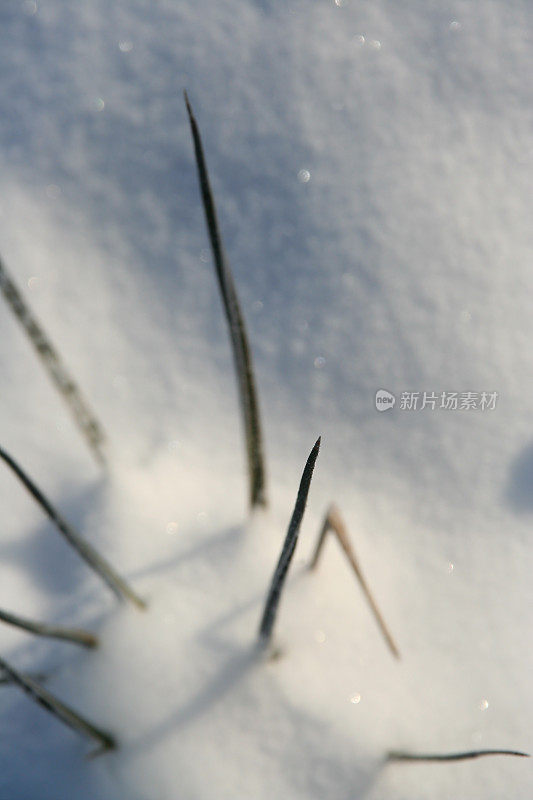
[[237, 329], [287, 552], [67, 715], [68, 389], [113, 580], [467, 755], [74, 635]]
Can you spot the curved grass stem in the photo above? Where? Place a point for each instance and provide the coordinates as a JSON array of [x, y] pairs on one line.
[[237, 329]]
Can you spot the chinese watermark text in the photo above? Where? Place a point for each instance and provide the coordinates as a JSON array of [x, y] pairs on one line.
[[447, 401]]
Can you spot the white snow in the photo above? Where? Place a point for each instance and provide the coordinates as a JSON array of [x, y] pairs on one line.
[[371, 163]]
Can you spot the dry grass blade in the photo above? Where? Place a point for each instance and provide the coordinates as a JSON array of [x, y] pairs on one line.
[[68, 389], [333, 522], [74, 635], [69, 717], [237, 329], [401, 756], [287, 552], [106, 572]]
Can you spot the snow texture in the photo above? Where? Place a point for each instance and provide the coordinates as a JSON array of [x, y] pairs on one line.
[[371, 163]]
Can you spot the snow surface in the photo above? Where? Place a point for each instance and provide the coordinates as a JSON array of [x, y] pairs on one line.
[[402, 262]]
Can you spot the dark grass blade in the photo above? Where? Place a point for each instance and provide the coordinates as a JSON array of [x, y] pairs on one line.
[[287, 552], [74, 635], [401, 756], [106, 572], [333, 522], [51, 703], [237, 329], [65, 385]]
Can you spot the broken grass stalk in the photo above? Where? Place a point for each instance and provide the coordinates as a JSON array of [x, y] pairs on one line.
[[333, 522], [237, 329]]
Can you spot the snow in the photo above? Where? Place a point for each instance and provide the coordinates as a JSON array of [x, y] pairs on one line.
[[371, 163]]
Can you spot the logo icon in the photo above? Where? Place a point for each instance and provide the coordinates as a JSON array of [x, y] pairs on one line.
[[384, 400]]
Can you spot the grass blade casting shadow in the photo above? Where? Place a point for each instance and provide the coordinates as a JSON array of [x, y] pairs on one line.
[[106, 572], [68, 389], [239, 338], [287, 552], [76, 636], [69, 717], [333, 522], [401, 756]]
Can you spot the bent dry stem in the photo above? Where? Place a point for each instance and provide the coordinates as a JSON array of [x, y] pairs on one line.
[[287, 552], [74, 635], [54, 706], [333, 522], [237, 329], [83, 416], [106, 572]]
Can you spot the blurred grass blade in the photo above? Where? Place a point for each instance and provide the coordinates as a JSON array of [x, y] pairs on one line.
[[287, 552], [67, 715], [68, 389], [333, 522], [237, 329], [6, 680], [401, 756], [106, 572], [52, 631]]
